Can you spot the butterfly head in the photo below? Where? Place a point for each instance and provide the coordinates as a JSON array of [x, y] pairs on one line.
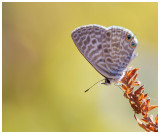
[[108, 81]]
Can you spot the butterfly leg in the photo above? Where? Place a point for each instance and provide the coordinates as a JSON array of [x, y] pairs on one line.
[[118, 85]]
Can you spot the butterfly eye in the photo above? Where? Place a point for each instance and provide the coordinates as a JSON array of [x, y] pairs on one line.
[[132, 44], [128, 37]]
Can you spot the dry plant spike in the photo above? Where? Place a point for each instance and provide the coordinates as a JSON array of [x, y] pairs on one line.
[[138, 100]]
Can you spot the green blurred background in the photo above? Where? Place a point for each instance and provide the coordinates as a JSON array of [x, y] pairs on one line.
[[45, 76]]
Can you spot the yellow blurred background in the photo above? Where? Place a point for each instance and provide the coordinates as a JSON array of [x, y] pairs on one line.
[[45, 76]]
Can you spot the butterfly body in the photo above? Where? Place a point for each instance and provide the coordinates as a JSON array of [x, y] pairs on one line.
[[108, 50]]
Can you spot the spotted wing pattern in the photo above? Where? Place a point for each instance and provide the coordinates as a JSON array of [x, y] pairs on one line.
[[117, 50], [105, 48]]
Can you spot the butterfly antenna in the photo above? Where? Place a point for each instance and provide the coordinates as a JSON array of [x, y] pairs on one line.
[[93, 85]]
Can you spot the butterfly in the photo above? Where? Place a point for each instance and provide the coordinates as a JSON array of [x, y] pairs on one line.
[[108, 50]]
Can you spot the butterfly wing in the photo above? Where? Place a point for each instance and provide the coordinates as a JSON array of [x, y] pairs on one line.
[[105, 48], [119, 52], [88, 40]]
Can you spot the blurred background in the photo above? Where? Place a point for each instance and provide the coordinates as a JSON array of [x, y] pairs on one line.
[[45, 76]]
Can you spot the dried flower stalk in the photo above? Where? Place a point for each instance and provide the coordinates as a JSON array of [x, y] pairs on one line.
[[138, 100]]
